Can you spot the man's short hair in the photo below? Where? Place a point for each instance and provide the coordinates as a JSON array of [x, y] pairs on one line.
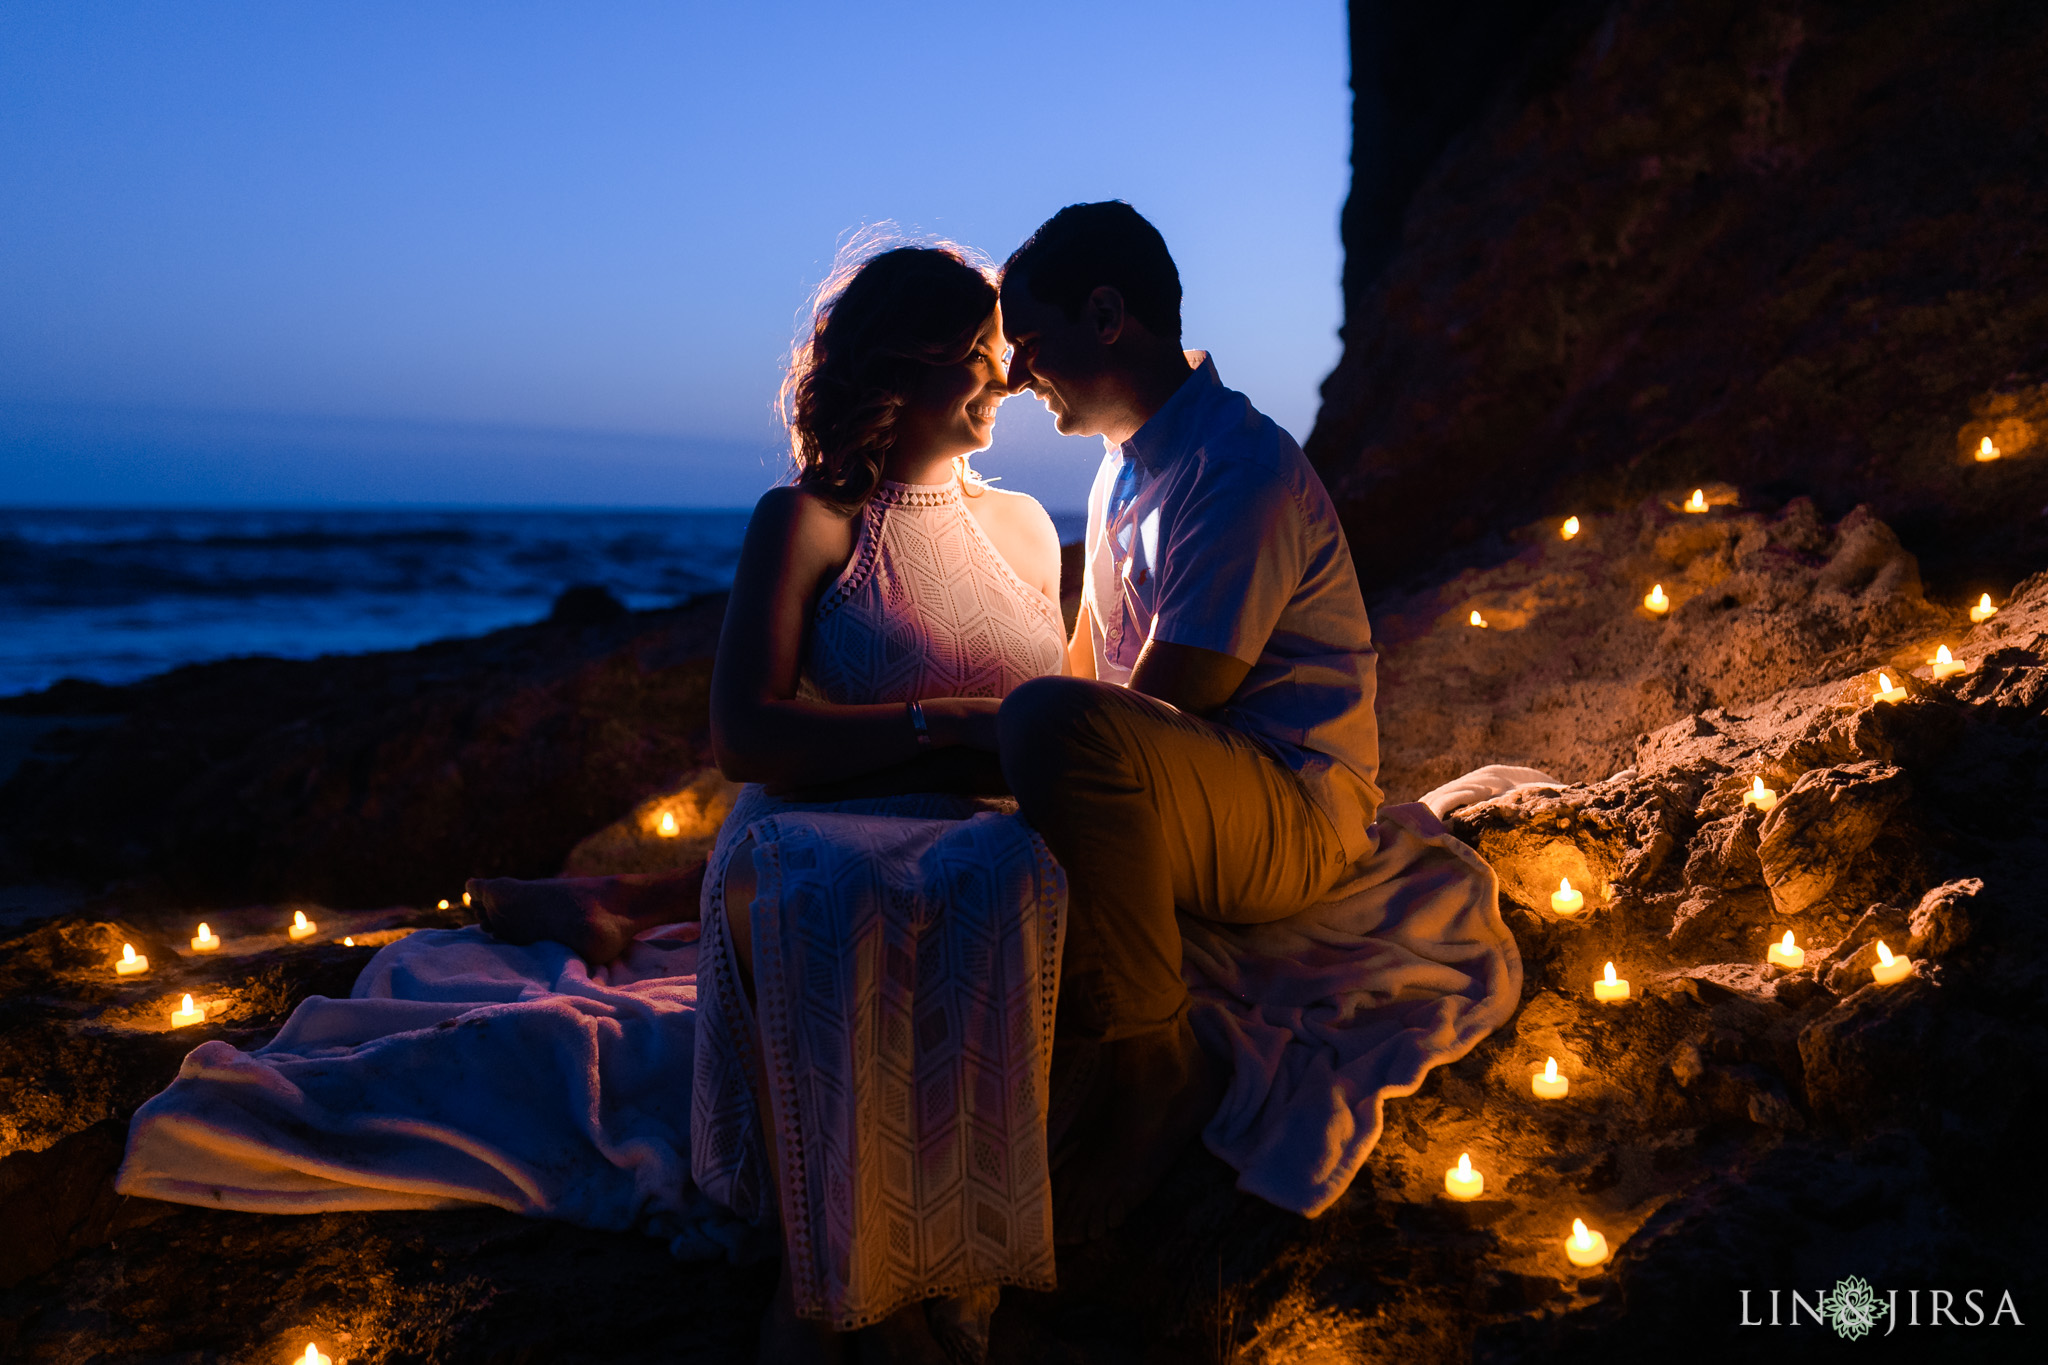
[[1085, 246]]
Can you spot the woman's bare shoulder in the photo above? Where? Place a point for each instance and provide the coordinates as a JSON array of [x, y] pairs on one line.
[[1018, 511], [798, 514]]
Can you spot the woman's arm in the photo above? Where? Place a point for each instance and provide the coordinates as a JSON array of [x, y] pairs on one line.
[[760, 730], [1081, 649]]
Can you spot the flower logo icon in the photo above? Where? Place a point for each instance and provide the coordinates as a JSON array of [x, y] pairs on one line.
[[1852, 1309]]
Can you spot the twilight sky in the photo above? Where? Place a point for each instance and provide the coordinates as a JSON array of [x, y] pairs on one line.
[[480, 254]]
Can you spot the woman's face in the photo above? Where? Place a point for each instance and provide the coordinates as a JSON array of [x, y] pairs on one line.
[[952, 411]]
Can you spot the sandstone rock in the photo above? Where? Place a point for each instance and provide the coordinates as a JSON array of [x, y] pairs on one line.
[[367, 779], [668, 831], [1724, 853], [1941, 922], [1821, 827]]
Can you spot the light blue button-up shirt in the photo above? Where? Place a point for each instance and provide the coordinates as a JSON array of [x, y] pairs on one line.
[[1208, 528]]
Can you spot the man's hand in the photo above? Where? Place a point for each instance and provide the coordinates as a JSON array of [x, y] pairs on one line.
[[1195, 680]]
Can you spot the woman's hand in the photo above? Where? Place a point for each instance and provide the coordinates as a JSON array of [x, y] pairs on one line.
[[969, 722]]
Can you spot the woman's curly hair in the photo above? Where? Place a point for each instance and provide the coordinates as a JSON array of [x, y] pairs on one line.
[[879, 319]]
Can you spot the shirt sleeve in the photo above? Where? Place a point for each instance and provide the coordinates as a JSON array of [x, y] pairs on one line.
[[1232, 562]]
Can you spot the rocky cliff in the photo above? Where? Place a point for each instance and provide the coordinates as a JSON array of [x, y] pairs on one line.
[[1598, 251]]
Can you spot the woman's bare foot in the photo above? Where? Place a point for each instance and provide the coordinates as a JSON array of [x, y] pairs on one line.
[[1148, 1098], [596, 917], [787, 1338]]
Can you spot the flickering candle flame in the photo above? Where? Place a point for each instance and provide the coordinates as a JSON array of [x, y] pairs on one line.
[[465, 899], [348, 943], [1760, 796], [1550, 1085], [1656, 601], [667, 823], [1478, 620], [1890, 968], [1698, 501], [1610, 989], [1571, 527], [1566, 901], [1986, 451], [130, 963], [1945, 664], [205, 941], [1585, 1246], [441, 904], [187, 1013], [1787, 954], [1885, 690], [311, 1357], [1461, 1181], [301, 926], [1983, 611]]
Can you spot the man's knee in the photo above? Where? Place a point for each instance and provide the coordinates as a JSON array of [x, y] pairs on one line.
[[1046, 726]]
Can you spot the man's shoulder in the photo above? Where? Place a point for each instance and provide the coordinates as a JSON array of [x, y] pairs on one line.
[[1244, 448]]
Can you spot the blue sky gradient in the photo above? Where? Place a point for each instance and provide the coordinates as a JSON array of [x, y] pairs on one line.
[[291, 253]]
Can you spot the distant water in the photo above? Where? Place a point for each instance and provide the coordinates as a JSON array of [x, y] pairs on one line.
[[118, 595], [113, 596]]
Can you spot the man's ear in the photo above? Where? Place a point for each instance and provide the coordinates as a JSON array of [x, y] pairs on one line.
[[1105, 310]]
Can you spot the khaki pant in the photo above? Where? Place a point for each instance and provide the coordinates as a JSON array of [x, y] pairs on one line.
[[1148, 809]]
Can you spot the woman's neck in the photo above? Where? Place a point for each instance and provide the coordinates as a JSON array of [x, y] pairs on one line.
[[917, 466]]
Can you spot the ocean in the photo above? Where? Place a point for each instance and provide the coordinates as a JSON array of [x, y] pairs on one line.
[[116, 595]]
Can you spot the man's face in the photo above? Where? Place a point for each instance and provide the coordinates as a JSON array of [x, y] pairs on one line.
[[1062, 362]]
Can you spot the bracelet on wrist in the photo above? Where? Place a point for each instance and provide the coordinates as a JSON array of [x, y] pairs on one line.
[[917, 724]]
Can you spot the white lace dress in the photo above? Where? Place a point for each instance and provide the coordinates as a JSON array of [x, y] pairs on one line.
[[906, 960]]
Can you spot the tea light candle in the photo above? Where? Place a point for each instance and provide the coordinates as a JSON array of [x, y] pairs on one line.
[[1477, 620], [1585, 1246], [130, 964], [1983, 611], [1986, 452], [1945, 665], [1760, 796], [301, 926], [1885, 690], [1612, 988], [1787, 954], [1461, 1181], [187, 1013], [348, 943], [667, 825], [1549, 1085], [1888, 969], [311, 1357], [205, 941], [1698, 501], [1571, 527], [441, 904], [1656, 601], [1566, 901]]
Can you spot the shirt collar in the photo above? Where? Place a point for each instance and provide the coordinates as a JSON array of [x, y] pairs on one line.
[[1171, 429]]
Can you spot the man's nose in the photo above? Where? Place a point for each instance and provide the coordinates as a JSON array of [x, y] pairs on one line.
[[1019, 375]]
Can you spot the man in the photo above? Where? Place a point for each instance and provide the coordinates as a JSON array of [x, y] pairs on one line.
[[1215, 749]]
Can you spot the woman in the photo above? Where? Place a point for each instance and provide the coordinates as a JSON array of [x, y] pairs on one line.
[[873, 1037]]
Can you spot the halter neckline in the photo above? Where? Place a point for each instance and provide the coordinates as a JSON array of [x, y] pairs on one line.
[[894, 494]]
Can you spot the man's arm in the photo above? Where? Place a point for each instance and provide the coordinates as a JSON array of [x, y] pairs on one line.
[[1193, 679]]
